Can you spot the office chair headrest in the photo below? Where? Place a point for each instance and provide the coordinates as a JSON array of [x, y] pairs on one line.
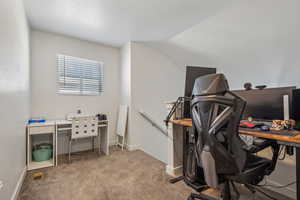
[[210, 84]]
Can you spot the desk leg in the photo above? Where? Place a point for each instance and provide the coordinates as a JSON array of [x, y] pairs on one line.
[[28, 153], [105, 140], [55, 146], [99, 141], [298, 172], [175, 150]]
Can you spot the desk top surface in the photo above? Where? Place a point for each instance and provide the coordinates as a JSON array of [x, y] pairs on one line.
[[56, 122], [292, 136], [46, 123]]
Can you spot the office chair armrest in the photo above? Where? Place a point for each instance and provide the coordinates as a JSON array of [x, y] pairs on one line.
[[275, 149], [259, 145], [263, 144]]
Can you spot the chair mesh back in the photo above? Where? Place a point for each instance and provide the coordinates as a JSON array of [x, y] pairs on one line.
[[84, 127], [216, 116]]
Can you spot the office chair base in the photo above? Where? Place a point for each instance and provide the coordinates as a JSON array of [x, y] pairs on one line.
[[225, 193], [250, 188], [175, 180], [194, 196]]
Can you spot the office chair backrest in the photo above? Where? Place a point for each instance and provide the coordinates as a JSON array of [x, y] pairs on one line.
[[86, 126], [216, 114]]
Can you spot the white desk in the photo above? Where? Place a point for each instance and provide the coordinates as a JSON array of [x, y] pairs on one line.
[[40, 129], [56, 127], [65, 125]]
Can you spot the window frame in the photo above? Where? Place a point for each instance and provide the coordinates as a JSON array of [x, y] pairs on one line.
[[80, 93]]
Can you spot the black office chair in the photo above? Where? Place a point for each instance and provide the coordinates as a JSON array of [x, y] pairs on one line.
[[218, 157]]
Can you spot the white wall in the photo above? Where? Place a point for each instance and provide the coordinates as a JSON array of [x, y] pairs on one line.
[[126, 90], [249, 41], [154, 80], [125, 74], [14, 93], [45, 100], [148, 79]]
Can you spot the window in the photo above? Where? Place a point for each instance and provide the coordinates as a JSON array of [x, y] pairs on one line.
[[79, 76]]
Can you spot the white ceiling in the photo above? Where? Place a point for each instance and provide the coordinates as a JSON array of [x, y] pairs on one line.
[[256, 41], [116, 22]]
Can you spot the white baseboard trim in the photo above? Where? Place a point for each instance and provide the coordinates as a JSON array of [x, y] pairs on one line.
[[19, 184], [177, 171], [133, 147]]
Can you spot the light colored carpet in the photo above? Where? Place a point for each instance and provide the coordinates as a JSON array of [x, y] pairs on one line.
[[120, 176]]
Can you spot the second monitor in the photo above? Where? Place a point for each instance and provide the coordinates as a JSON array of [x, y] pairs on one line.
[[266, 104]]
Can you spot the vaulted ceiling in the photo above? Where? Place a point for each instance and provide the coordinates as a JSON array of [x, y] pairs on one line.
[[116, 22]]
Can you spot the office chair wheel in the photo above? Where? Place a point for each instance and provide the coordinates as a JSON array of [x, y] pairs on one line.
[[190, 198], [175, 180], [250, 188], [200, 196]]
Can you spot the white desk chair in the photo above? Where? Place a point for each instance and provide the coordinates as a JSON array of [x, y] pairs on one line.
[[83, 127]]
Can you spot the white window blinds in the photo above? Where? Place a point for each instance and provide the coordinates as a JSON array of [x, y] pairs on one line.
[[79, 76]]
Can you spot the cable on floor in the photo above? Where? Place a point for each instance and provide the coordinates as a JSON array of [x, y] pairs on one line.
[[267, 195]]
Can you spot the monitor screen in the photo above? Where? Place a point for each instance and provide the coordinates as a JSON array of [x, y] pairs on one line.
[[192, 73], [266, 104]]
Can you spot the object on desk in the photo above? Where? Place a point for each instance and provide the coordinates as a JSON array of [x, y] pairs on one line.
[[121, 128], [277, 125], [36, 120], [286, 109], [248, 86], [283, 124], [101, 117], [291, 124], [265, 128], [260, 87], [72, 115], [42, 152], [247, 124]]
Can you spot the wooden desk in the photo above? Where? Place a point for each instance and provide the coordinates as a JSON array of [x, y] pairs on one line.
[[176, 130], [294, 140]]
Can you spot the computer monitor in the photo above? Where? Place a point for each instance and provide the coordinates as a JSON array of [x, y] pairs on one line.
[[266, 104], [192, 73]]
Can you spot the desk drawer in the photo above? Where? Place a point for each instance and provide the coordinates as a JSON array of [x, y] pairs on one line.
[[41, 130]]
